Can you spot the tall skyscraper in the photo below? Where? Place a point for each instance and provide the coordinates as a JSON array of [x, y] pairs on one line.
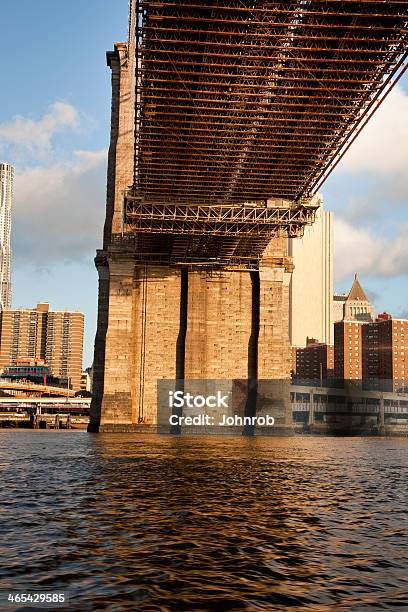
[[6, 201], [39, 333], [311, 286]]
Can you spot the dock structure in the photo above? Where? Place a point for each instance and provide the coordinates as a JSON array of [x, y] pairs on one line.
[[41, 412], [227, 117]]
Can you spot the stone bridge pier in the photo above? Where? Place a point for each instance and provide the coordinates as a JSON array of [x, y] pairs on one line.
[[167, 322], [158, 322]]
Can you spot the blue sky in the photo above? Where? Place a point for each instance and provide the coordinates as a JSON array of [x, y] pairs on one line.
[[54, 126], [52, 52]]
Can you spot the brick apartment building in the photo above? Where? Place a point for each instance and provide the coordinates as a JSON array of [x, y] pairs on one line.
[[372, 352], [313, 363], [384, 353], [348, 344], [366, 352], [56, 337], [343, 361]]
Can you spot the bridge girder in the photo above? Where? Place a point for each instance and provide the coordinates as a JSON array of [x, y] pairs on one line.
[[241, 101]]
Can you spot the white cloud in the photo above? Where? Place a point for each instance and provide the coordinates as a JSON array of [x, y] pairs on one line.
[[359, 250], [59, 200], [58, 210], [54, 179], [372, 189], [35, 136], [382, 146]]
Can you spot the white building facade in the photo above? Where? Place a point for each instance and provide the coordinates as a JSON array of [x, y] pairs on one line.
[[6, 203], [311, 286], [339, 300]]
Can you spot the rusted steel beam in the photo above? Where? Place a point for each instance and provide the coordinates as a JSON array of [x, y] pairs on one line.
[[204, 54], [271, 93], [240, 45], [240, 7]]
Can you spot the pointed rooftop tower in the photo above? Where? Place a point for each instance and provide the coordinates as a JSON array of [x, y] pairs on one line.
[[357, 305], [356, 291]]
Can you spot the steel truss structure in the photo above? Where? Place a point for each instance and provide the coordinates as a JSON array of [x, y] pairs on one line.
[[196, 253], [242, 101], [238, 220]]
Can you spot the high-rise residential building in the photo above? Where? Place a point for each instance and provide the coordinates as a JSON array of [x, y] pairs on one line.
[[372, 352], [385, 354], [370, 356], [6, 202], [313, 363], [40, 333], [311, 285], [348, 363], [354, 305]]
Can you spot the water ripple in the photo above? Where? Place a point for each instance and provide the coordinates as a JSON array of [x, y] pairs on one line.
[[159, 523]]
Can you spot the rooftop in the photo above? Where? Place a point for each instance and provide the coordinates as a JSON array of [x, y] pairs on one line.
[[357, 292]]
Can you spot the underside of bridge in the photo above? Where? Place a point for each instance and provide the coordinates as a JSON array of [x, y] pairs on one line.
[[227, 116]]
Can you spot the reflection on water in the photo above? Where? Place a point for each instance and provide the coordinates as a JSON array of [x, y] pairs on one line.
[[128, 522]]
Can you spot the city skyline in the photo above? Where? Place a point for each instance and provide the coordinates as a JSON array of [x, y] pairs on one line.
[[57, 139]]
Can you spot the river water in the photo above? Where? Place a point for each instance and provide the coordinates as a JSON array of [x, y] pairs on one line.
[[144, 522]]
